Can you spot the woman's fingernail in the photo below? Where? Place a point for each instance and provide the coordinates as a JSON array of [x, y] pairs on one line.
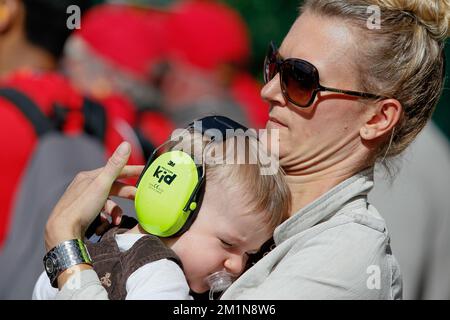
[[123, 149]]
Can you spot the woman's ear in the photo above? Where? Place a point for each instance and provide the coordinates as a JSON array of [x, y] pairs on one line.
[[387, 114], [8, 13]]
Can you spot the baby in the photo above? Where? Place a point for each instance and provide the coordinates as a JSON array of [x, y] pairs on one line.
[[239, 211]]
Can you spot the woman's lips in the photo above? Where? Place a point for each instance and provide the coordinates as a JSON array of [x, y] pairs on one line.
[[274, 122]]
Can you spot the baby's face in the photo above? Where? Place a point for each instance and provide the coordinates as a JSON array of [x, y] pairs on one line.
[[221, 237]]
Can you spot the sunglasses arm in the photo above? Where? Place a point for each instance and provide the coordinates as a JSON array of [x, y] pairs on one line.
[[353, 93]]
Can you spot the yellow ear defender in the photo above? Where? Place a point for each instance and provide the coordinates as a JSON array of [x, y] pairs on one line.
[[171, 185]]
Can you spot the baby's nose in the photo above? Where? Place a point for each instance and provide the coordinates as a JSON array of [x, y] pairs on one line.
[[235, 263]]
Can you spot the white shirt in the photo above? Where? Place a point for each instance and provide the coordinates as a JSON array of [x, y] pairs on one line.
[[158, 280]]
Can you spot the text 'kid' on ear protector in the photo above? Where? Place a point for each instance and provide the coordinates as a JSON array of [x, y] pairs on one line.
[[171, 185], [166, 194]]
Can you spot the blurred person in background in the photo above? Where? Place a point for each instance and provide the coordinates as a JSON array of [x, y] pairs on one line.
[[245, 89], [115, 58], [209, 45], [118, 49], [32, 35], [44, 131], [60, 130]]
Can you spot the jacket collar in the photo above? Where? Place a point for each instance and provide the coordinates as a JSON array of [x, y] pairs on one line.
[[329, 204]]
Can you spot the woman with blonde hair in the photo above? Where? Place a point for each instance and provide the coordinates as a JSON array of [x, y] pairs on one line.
[[345, 93], [377, 88]]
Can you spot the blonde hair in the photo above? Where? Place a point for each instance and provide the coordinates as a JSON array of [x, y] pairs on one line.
[[268, 194], [404, 59]]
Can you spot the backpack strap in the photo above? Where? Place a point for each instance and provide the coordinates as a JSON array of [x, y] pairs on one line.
[[94, 119], [147, 147], [29, 109], [93, 112]]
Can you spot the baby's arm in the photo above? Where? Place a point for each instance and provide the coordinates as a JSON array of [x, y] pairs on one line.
[[159, 280], [43, 290]]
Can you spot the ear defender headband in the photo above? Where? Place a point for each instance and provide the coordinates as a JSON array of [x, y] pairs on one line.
[[171, 185]]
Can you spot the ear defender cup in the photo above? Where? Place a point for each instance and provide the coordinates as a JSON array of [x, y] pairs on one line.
[[167, 193], [171, 187]]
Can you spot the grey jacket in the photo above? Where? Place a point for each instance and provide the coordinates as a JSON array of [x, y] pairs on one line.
[[335, 248]]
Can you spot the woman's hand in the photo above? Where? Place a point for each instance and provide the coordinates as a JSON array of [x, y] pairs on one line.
[[87, 195]]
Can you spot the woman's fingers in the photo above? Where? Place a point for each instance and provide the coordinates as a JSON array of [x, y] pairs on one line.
[[115, 165], [87, 195], [131, 172], [104, 217], [127, 172], [116, 215], [123, 190], [94, 196], [113, 210], [109, 207]]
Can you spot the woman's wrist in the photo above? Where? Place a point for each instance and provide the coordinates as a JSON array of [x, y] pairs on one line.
[[56, 234]]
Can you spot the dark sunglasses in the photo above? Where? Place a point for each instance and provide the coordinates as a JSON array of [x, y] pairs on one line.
[[300, 79]]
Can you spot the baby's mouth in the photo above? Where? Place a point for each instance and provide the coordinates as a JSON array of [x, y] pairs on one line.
[[219, 281]]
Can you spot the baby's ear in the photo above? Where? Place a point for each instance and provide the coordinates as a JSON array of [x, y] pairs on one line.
[[382, 120]]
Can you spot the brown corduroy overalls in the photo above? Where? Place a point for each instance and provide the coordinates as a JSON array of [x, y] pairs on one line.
[[114, 267]]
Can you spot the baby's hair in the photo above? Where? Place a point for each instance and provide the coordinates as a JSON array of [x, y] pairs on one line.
[[266, 193]]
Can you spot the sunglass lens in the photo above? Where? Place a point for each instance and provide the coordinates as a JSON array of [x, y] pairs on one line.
[[270, 65], [298, 82]]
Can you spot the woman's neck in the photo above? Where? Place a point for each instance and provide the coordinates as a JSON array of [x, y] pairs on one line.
[[308, 184], [306, 189]]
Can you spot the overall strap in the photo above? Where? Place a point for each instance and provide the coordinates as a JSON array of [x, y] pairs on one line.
[[114, 267], [147, 249]]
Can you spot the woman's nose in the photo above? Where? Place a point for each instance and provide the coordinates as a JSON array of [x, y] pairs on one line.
[[271, 92], [235, 263]]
